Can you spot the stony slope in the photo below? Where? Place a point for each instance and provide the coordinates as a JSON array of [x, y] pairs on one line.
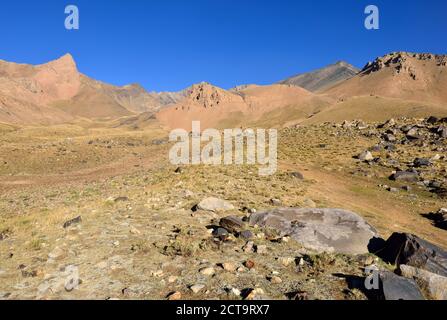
[[402, 75], [323, 78]]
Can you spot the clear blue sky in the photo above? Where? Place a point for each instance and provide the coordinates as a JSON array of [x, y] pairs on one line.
[[169, 45]]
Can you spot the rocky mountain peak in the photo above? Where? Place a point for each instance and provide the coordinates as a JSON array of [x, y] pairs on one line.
[[403, 62]]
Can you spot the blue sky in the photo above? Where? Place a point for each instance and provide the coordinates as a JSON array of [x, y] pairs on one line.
[[167, 45]]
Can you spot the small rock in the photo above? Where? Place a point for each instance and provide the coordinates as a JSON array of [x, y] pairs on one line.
[[275, 280], [221, 233], [71, 222], [248, 247], [214, 204], [249, 264], [261, 249], [297, 175], [246, 234], [275, 202], [175, 296], [232, 223], [421, 162], [286, 261], [172, 279], [229, 266], [236, 292], [208, 271], [365, 156], [255, 294], [197, 288]]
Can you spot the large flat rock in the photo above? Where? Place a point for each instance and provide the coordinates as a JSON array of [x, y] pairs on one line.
[[322, 230]]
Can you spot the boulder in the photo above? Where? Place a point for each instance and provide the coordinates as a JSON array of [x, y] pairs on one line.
[[399, 288], [321, 230], [408, 249], [214, 204], [435, 284]]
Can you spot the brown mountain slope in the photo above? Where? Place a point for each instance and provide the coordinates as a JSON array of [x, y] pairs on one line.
[[57, 92], [407, 76], [214, 107], [323, 78]]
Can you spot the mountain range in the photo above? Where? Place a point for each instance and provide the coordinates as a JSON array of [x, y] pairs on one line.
[[399, 83]]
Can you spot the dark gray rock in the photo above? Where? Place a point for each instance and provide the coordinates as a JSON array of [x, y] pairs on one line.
[[321, 230], [71, 222], [432, 120], [246, 234], [404, 248], [408, 176], [421, 162], [221, 233], [395, 287]]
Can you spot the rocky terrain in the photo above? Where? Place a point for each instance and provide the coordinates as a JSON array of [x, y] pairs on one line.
[[323, 78], [99, 213]]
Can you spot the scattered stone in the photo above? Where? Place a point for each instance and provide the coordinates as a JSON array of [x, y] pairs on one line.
[[174, 296], [275, 202], [249, 264], [297, 175], [408, 176], [172, 279], [322, 230], [286, 261], [408, 249], [436, 285], [246, 234], [432, 120], [399, 288], [261, 249], [236, 292], [421, 162], [208, 271], [121, 199], [232, 223], [248, 247], [221, 233], [275, 280], [254, 294], [214, 204], [365, 156], [71, 222], [229, 266], [413, 134], [197, 288]]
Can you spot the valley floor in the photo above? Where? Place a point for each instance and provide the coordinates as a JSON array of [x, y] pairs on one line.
[[139, 239]]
